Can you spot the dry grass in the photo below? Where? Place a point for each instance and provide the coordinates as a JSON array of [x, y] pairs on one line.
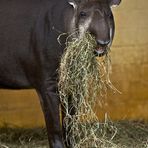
[[130, 134], [83, 78], [15, 137]]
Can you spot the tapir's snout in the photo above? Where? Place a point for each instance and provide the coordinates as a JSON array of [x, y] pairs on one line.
[[101, 48], [103, 43], [101, 32]]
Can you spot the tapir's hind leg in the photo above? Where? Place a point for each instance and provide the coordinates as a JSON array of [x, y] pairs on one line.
[[50, 105]]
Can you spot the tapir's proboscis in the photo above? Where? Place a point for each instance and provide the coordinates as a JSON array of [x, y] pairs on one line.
[[30, 52]]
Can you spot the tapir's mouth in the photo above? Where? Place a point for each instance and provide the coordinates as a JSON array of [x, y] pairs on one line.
[[100, 51]]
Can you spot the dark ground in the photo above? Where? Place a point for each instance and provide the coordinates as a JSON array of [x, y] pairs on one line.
[[130, 134]]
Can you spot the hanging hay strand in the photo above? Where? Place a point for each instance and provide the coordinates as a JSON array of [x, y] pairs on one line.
[[82, 79]]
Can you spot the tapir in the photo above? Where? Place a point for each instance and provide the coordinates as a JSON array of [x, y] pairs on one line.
[[30, 52]]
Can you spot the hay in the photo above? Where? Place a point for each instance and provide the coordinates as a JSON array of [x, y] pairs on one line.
[[82, 79], [131, 134]]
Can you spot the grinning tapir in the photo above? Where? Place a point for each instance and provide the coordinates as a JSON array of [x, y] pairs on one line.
[[30, 53]]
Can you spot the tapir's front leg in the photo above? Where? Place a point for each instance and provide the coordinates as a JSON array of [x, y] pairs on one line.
[[50, 105]]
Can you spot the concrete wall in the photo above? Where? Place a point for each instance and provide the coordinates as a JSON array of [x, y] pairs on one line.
[[130, 74]]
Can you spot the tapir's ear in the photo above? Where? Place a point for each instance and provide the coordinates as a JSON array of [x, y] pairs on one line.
[[73, 3], [114, 3]]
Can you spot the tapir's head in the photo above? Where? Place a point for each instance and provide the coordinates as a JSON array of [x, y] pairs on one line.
[[94, 16]]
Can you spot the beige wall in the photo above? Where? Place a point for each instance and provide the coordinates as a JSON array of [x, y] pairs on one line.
[[130, 61], [130, 73]]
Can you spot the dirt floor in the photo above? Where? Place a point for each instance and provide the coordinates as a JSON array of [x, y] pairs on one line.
[[129, 134]]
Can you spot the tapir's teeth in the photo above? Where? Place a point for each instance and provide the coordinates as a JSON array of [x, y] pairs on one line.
[[100, 50]]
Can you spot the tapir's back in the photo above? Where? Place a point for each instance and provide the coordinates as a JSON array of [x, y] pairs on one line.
[[17, 19]]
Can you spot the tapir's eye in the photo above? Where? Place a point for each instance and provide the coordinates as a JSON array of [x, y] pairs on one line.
[[82, 14]]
